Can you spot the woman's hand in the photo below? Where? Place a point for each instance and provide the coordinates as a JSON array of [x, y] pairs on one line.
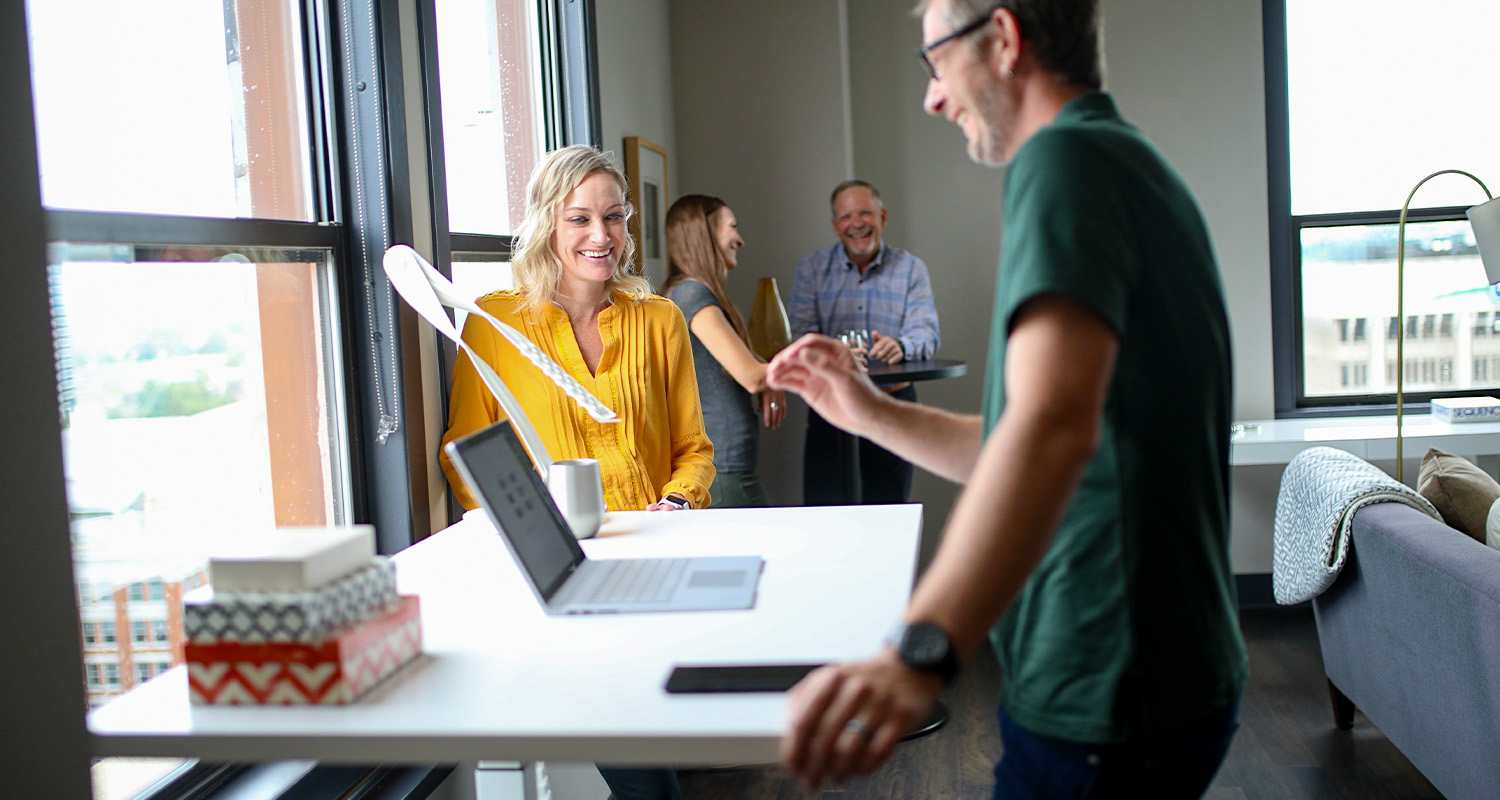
[[672, 502], [772, 408]]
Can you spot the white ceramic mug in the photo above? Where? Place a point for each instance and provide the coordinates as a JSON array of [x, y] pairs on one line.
[[578, 489]]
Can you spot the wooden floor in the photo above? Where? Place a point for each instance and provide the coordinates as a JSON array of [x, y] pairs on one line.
[[1286, 748]]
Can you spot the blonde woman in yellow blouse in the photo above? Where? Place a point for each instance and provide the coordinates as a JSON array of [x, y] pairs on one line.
[[576, 299]]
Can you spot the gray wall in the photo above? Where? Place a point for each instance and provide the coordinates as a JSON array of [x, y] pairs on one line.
[[943, 207], [776, 101], [635, 77], [759, 88]]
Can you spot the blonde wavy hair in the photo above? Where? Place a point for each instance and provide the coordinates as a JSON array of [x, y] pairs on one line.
[[534, 261]]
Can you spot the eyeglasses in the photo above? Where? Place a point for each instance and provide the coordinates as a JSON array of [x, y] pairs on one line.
[[924, 50]]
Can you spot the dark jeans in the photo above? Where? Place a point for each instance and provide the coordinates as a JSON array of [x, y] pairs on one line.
[[737, 490], [1176, 764], [635, 783], [884, 477]]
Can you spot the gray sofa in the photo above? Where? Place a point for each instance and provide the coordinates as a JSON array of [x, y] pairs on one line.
[[1410, 634]]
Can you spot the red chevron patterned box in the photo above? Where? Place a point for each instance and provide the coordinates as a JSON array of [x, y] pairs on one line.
[[337, 670]]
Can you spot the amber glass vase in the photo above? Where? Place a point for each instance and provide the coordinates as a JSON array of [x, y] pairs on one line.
[[769, 329]]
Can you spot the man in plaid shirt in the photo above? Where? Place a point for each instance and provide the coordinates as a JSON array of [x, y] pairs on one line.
[[862, 284]]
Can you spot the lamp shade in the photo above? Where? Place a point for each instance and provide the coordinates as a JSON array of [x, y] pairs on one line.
[[1485, 218]]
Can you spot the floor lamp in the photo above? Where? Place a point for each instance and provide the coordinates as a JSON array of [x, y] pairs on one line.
[[1485, 219]]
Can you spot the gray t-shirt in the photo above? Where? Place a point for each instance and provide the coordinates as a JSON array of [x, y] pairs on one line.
[[728, 410]]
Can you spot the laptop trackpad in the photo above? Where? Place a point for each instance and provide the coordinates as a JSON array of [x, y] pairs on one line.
[[717, 578]]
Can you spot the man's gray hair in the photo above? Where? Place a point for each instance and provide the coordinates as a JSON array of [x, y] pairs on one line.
[[1064, 34], [833, 199]]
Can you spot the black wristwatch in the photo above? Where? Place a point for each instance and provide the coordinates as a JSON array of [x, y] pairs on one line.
[[675, 503], [925, 647]]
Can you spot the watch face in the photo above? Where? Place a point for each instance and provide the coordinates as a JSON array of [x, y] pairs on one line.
[[923, 644]]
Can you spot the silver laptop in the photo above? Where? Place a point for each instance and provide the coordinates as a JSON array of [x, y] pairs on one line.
[[500, 474]]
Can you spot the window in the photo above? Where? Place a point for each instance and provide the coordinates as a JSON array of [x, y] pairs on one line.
[[492, 97], [194, 128], [214, 267], [1343, 163], [494, 82], [193, 266]]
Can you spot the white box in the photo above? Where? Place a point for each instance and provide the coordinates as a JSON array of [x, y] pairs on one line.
[[1466, 409], [290, 559]]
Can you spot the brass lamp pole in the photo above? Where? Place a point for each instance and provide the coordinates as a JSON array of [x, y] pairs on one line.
[[1401, 299]]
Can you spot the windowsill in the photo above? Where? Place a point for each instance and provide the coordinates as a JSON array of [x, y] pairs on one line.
[[1276, 441]]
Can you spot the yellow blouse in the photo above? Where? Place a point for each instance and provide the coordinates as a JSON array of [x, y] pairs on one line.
[[645, 374]]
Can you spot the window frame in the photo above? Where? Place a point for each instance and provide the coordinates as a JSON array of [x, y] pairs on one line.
[[364, 107], [1286, 229]]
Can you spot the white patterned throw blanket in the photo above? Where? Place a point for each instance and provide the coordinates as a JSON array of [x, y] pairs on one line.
[[1320, 491]]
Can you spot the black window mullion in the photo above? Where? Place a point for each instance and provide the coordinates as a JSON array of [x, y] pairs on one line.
[[579, 72], [1383, 217], [482, 243], [321, 97], [437, 172], [1286, 346], [373, 311], [112, 227]]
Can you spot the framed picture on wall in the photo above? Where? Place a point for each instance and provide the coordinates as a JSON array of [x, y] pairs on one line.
[[646, 171]]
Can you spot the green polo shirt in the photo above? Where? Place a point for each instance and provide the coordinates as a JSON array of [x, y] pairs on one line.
[[1128, 626]]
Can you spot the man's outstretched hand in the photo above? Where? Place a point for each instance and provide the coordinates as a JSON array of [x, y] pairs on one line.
[[825, 373], [847, 718]]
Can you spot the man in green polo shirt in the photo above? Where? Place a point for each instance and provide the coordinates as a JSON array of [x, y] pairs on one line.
[[1091, 540]]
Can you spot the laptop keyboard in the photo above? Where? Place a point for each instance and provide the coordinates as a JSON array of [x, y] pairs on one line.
[[646, 580]]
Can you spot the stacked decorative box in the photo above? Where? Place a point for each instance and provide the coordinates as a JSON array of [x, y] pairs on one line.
[[301, 616]]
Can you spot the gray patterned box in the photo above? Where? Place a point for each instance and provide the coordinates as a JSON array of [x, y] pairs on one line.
[[302, 616]]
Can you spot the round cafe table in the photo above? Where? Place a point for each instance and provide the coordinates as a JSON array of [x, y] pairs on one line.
[[927, 369]]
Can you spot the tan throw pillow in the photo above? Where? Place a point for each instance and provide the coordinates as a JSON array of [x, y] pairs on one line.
[[1462, 492], [1492, 526]]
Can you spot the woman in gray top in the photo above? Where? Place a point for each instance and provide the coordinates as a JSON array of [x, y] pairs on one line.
[[703, 241]]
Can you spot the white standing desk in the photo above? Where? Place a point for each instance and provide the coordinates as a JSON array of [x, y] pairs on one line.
[[501, 680], [1276, 441]]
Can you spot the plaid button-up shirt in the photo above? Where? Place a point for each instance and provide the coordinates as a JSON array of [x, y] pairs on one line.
[[894, 297]]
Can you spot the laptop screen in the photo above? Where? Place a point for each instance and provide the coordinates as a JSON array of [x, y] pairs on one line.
[[501, 475]]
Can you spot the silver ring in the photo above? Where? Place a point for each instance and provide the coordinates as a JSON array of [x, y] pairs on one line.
[[775, 406], [857, 727]]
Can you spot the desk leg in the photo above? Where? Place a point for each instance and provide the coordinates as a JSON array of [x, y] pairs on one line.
[[854, 491], [505, 780]]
